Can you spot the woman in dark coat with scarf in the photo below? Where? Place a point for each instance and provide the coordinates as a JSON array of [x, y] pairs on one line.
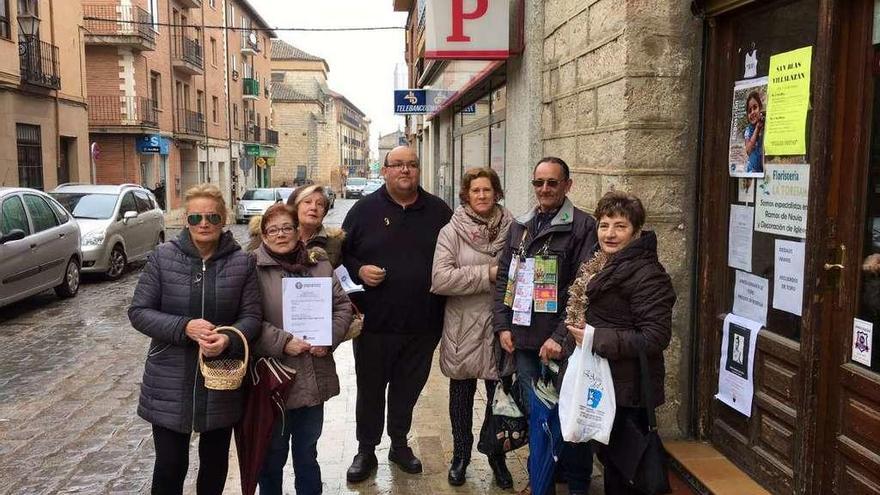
[[629, 299], [190, 286], [281, 254]]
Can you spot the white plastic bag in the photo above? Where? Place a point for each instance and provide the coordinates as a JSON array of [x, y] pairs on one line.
[[586, 399]]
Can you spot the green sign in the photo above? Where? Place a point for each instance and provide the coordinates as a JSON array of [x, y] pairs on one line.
[[268, 151], [252, 149]]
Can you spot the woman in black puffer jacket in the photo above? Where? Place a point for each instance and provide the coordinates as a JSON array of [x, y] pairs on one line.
[[190, 286], [629, 299]]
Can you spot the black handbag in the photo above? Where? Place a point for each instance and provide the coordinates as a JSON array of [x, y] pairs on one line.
[[501, 434], [638, 454]]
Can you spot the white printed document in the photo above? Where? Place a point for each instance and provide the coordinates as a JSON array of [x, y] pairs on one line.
[[308, 308]]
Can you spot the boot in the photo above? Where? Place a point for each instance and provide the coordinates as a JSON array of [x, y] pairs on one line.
[[457, 471], [502, 475]]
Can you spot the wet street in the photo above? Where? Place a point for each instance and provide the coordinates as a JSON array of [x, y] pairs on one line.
[[69, 383]]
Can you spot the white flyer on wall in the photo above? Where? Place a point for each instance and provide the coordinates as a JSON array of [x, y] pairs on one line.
[[736, 383], [750, 297], [739, 250], [307, 308], [788, 277], [863, 341]]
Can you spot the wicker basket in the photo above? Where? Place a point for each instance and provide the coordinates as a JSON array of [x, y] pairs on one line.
[[224, 374]]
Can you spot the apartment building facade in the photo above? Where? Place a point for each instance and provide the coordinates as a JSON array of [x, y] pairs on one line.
[[174, 94], [324, 137], [42, 94]]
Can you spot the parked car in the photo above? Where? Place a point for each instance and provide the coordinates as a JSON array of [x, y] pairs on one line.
[[120, 224], [255, 202], [372, 186], [354, 187], [285, 192], [39, 246]]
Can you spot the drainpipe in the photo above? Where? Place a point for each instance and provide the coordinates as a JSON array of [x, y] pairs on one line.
[[228, 94], [205, 93], [57, 95]]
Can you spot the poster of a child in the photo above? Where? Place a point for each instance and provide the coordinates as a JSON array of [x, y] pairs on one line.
[[748, 112]]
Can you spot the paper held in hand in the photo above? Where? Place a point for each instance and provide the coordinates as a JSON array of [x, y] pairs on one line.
[[345, 280], [307, 308]]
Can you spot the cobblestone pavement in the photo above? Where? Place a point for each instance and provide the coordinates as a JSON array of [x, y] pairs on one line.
[[69, 383]]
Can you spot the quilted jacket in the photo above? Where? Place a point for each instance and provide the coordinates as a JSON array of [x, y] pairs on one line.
[[175, 287]]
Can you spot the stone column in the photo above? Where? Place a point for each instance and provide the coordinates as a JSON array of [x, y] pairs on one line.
[[620, 105]]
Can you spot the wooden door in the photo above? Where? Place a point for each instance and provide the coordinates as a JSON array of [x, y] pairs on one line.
[[770, 445], [850, 394]]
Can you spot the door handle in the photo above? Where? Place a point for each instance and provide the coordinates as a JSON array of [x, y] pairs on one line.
[[841, 264], [839, 279], [61, 235], [33, 246]]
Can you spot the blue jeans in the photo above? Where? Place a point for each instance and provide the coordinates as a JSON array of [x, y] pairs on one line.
[[301, 430], [576, 459]]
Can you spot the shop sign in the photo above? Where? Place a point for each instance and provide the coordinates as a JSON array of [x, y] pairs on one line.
[[252, 149], [268, 151], [153, 144], [467, 30], [424, 101]]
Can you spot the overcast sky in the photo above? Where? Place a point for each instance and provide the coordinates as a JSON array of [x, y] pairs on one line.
[[361, 62]]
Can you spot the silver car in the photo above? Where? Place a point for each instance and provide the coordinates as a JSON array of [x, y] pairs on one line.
[[255, 202], [119, 224], [39, 246]]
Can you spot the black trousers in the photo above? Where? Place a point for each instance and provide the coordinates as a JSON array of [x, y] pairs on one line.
[[461, 414], [172, 461], [400, 364]]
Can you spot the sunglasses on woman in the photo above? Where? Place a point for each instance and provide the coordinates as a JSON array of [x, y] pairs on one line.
[[196, 218]]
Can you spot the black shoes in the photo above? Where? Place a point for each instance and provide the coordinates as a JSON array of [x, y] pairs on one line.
[[362, 467], [405, 459], [499, 468], [457, 471]]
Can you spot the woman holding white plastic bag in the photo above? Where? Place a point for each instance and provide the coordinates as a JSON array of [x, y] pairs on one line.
[[628, 303]]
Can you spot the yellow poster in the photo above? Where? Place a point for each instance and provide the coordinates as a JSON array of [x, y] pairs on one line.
[[788, 98]]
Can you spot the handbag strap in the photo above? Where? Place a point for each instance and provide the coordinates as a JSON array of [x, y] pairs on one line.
[[647, 397]]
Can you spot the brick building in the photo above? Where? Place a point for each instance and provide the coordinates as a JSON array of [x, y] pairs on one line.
[[44, 133], [324, 137], [174, 99]]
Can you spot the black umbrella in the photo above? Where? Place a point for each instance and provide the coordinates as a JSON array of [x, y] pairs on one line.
[[266, 391]]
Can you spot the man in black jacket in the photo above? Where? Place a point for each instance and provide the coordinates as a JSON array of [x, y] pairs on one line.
[[389, 247], [551, 240]]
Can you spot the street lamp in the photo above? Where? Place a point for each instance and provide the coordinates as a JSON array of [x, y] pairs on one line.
[[28, 24]]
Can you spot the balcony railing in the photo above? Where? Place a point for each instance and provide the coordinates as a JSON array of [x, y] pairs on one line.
[[135, 111], [251, 88], [38, 62], [119, 25], [251, 133], [189, 122], [271, 136], [187, 54]]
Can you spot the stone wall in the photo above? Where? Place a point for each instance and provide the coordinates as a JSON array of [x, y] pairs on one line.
[[619, 104]]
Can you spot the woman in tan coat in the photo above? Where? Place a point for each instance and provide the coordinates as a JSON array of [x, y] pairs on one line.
[[465, 266], [283, 254]]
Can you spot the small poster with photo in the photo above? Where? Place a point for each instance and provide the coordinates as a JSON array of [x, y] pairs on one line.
[[736, 381], [748, 114]]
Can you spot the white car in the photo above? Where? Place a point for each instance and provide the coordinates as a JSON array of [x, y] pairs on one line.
[[39, 246], [119, 224], [255, 202]]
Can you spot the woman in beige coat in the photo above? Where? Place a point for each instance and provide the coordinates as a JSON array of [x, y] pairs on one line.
[[282, 254], [465, 266]]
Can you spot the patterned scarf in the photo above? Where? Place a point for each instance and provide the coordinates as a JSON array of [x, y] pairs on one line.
[[482, 233], [576, 309], [296, 262]]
